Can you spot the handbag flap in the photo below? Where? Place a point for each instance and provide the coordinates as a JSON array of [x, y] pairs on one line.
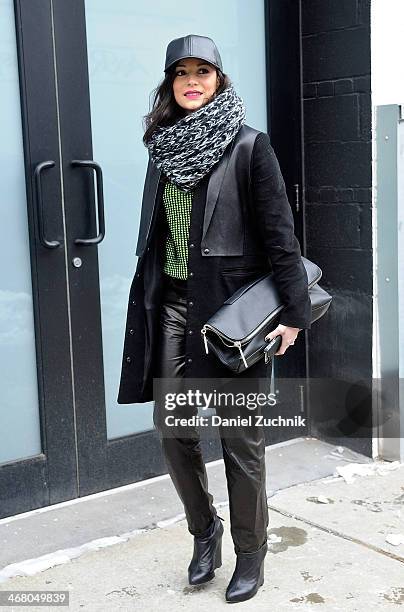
[[253, 303], [241, 314]]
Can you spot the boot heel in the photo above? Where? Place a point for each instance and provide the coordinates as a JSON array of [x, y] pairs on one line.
[[261, 578], [218, 554], [207, 555]]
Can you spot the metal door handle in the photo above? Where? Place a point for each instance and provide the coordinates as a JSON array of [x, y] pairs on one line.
[[49, 244], [85, 163]]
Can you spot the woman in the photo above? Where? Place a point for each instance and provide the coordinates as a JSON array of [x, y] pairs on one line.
[[214, 215]]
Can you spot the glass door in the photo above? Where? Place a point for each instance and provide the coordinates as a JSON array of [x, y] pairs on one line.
[[38, 460]]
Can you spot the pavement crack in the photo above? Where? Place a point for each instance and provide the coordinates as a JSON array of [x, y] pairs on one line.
[[337, 533]]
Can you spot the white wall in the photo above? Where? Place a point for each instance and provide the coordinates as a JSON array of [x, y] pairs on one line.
[[387, 49]]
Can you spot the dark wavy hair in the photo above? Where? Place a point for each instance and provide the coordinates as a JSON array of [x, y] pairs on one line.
[[164, 110]]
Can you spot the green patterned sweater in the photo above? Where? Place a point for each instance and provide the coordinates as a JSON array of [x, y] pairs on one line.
[[177, 206]]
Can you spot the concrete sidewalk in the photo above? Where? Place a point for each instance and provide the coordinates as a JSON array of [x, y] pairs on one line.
[[129, 549]]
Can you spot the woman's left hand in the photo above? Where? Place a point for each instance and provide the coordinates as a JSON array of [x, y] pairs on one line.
[[289, 335]]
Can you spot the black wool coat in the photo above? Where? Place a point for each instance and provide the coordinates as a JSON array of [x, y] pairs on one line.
[[241, 226]]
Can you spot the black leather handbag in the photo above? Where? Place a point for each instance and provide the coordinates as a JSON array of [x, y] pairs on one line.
[[236, 332]]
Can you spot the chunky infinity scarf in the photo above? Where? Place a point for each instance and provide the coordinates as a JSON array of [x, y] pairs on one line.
[[187, 150]]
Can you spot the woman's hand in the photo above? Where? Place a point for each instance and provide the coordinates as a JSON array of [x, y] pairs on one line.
[[289, 335]]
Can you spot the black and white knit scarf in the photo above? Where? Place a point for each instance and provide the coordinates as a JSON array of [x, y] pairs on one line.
[[187, 150]]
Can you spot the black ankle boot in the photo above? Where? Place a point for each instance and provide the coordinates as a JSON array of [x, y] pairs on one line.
[[248, 575], [207, 553]]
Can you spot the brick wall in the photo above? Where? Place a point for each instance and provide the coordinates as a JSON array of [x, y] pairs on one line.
[[337, 153]]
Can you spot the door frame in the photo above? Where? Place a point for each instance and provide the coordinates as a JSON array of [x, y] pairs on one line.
[[285, 120]]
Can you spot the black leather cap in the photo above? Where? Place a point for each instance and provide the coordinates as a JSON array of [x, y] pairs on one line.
[[192, 45]]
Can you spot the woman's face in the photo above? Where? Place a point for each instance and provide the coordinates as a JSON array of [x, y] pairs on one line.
[[194, 75]]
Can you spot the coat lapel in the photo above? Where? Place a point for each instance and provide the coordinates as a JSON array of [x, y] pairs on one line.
[[214, 186], [151, 184]]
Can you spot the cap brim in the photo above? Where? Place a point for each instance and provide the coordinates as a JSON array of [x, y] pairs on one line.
[[197, 56]]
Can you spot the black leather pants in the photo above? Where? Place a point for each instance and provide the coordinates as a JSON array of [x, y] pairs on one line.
[[244, 455]]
